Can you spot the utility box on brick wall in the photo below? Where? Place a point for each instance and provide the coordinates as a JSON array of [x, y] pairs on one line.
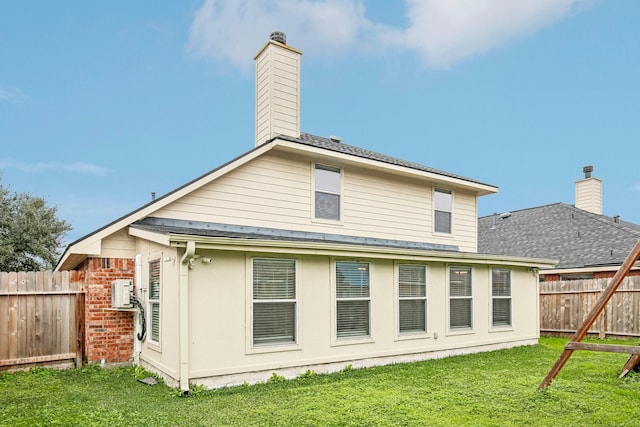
[[121, 291]]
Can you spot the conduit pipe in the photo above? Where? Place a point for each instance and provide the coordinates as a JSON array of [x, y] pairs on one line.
[[183, 315]]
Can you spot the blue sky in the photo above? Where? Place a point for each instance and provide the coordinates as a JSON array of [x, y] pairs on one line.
[[102, 103]]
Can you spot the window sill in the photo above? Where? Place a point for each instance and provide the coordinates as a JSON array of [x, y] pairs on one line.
[[455, 332], [276, 348], [501, 329], [413, 336], [351, 341], [154, 346], [337, 223]]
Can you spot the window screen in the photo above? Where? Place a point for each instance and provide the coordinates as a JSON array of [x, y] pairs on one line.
[[501, 297], [412, 292], [154, 300], [352, 299], [274, 301], [460, 298], [442, 211], [327, 192]]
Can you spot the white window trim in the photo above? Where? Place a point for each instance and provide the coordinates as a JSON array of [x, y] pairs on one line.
[[279, 347], [460, 331], [150, 341], [500, 328], [433, 211], [338, 222], [401, 336], [335, 341]]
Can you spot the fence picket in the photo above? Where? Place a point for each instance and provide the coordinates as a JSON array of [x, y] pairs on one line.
[[41, 320], [563, 305]]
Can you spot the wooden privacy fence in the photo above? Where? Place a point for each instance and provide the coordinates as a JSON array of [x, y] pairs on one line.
[[41, 318], [565, 304]]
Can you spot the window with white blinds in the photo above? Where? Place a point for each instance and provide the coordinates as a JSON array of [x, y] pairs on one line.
[[442, 201], [460, 298], [274, 301], [412, 294], [327, 192], [353, 299], [501, 297], [154, 301]]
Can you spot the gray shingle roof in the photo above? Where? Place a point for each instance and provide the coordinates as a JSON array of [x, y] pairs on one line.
[[339, 147], [210, 229], [575, 237]]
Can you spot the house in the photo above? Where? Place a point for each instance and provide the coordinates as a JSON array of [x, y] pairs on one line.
[[586, 243], [305, 253]]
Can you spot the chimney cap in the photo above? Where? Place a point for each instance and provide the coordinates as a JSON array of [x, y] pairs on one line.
[[587, 171], [278, 36]]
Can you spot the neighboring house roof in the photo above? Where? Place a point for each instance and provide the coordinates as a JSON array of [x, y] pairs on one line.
[[575, 237], [91, 243]]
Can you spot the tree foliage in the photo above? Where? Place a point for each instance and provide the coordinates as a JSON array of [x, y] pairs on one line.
[[30, 233]]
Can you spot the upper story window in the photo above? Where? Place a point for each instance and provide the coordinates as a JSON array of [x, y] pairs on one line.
[[327, 192], [442, 201]]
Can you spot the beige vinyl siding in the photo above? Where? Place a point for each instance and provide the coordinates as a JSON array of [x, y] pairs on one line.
[[277, 93], [272, 191], [465, 221], [275, 190], [219, 300], [118, 245]]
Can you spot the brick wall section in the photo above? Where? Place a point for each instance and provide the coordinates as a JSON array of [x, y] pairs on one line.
[[109, 334], [608, 274], [596, 275]]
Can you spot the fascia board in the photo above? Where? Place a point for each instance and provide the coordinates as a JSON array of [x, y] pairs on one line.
[[586, 269], [159, 238], [90, 240], [330, 249], [481, 189]]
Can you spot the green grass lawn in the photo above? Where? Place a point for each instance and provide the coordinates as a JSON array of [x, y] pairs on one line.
[[497, 388]]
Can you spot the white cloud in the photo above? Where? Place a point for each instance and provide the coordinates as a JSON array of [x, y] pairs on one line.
[[444, 32], [12, 94], [83, 168], [441, 32], [233, 30]]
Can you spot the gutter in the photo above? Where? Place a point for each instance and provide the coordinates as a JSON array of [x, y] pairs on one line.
[[183, 314]]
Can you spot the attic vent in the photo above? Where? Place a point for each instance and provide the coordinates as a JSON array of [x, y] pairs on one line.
[[335, 139], [278, 36]]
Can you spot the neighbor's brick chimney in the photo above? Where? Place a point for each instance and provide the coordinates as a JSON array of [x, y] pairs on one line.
[[589, 192], [277, 89]]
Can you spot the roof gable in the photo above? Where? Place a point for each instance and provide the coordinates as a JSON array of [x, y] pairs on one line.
[[91, 243]]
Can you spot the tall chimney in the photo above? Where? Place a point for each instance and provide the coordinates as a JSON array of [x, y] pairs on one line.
[[277, 89], [589, 192]]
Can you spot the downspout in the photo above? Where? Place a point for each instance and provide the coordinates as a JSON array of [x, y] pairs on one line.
[[137, 347], [183, 297]]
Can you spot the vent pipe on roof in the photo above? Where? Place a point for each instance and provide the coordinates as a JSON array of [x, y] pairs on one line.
[[616, 219], [278, 36], [153, 195]]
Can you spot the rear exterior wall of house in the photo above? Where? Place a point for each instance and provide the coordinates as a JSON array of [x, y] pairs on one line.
[[233, 336]]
